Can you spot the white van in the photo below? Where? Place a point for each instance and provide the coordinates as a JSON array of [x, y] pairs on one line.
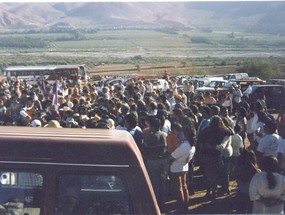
[[231, 76], [66, 171], [159, 84]]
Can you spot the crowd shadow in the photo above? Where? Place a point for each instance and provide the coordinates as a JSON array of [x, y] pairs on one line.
[[202, 204]]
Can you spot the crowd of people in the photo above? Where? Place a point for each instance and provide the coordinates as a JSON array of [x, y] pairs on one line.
[[227, 136]]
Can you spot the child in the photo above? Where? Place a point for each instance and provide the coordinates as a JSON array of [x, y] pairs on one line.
[[237, 145]]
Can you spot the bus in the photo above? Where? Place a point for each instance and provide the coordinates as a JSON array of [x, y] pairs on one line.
[[33, 74]]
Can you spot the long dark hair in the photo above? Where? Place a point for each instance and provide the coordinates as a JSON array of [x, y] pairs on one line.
[[190, 134], [217, 124], [216, 131], [269, 164]]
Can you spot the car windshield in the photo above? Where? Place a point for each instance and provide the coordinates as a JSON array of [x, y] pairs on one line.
[[216, 84]]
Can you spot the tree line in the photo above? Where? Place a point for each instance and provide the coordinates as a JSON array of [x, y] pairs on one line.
[[22, 42]]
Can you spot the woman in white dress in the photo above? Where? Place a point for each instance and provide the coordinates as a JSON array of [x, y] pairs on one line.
[[267, 188]]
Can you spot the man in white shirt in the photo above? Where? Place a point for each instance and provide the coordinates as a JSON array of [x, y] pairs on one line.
[[268, 144], [251, 124], [148, 87], [237, 94], [171, 100]]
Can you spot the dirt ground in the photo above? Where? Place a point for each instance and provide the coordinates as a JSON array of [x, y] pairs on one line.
[[201, 205]]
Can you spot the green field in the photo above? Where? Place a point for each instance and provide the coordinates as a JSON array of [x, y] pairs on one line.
[[139, 47], [152, 41]]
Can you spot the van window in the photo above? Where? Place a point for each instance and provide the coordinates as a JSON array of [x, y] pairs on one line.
[[235, 76], [21, 191], [91, 194], [216, 84]]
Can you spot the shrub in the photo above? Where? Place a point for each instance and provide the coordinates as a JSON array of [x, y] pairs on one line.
[[264, 69]]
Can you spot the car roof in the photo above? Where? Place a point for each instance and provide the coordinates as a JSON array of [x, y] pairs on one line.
[[246, 80], [69, 145], [266, 85]]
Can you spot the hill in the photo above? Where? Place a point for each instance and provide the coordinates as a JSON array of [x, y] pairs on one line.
[[257, 16]]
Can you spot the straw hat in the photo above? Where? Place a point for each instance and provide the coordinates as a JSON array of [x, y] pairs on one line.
[[53, 124], [65, 108]]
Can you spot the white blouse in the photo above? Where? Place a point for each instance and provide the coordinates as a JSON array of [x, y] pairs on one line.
[[259, 187]]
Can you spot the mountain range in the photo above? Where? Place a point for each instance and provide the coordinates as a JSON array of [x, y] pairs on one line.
[[256, 16]]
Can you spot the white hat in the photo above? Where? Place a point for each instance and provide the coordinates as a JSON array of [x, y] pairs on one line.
[[36, 123], [111, 124], [70, 104], [84, 117]]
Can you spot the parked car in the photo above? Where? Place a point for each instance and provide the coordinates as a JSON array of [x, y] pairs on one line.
[[276, 81], [116, 81], [221, 86], [274, 95], [159, 84], [96, 77], [53, 171], [246, 82], [206, 80]]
